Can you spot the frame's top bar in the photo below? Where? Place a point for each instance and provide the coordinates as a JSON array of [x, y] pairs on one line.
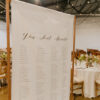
[[88, 15]]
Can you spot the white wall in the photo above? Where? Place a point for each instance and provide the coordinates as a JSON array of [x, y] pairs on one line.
[[3, 40], [88, 33]]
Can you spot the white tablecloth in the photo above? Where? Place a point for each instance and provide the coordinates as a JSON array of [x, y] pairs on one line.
[[89, 76]]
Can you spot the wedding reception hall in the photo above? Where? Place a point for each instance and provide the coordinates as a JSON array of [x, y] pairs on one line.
[[49, 50]]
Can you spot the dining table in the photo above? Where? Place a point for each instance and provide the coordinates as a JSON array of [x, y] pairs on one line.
[[88, 76]]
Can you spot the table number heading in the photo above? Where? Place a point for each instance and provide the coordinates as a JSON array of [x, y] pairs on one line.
[[43, 37]]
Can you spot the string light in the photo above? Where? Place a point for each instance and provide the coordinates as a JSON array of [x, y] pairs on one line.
[[57, 6], [72, 5], [37, 2], [88, 1], [2, 12]]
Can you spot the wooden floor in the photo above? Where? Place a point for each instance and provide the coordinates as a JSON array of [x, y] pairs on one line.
[[3, 95], [82, 98]]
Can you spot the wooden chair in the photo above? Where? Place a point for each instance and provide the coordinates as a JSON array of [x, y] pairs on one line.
[[79, 85], [92, 51], [97, 87], [3, 76], [79, 52]]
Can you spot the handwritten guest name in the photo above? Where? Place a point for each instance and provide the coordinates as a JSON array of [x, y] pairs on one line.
[[43, 37]]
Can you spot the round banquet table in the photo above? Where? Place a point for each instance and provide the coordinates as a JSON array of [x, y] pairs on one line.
[[89, 76]]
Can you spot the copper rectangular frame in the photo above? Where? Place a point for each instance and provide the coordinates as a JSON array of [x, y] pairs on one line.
[[72, 69], [8, 53], [8, 49]]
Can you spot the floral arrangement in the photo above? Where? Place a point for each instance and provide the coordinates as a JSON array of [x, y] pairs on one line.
[[89, 59], [95, 59], [3, 58], [82, 58]]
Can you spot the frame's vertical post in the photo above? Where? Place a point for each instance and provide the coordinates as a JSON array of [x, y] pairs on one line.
[[72, 70], [8, 49]]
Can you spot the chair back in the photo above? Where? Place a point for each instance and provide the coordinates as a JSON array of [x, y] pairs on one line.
[[3, 71]]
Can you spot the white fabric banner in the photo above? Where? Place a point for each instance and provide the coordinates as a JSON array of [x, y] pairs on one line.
[[42, 44]]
